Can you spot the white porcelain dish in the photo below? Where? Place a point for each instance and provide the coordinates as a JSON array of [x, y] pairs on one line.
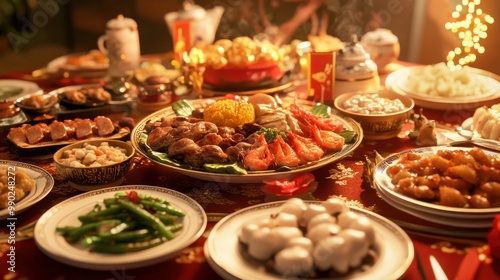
[[87, 70], [66, 213], [397, 82], [251, 177], [11, 89], [222, 247], [463, 222], [44, 183], [384, 183]]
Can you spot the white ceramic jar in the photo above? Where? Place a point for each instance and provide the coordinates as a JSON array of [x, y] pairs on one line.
[[383, 47]]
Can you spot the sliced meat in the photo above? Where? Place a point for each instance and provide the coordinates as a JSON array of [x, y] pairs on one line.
[[58, 131], [159, 139], [237, 151], [200, 129], [207, 154], [210, 139], [18, 136], [226, 131], [150, 126], [183, 147], [35, 134], [84, 129], [104, 126]]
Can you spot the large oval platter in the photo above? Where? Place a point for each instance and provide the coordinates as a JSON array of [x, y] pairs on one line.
[[252, 176], [383, 182], [224, 252], [66, 213], [397, 81], [43, 185]]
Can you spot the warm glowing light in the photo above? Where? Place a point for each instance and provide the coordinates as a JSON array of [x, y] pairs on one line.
[[469, 23]]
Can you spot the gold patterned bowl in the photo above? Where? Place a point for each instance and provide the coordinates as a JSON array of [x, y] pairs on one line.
[[380, 125], [89, 178]]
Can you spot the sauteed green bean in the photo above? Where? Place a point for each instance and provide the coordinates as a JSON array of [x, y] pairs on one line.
[[128, 222]]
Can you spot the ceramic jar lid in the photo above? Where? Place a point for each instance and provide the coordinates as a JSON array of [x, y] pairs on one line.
[[191, 11], [121, 22], [354, 63], [379, 36]]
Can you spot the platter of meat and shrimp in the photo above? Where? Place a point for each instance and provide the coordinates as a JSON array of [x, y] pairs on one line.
[[42, 138], [455, 185], [235, 141]]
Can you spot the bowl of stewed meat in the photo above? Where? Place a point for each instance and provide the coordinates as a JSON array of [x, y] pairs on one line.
[[381, 114], [94, 164]]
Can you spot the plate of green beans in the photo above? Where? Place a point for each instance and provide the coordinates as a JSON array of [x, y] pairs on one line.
[[120, 227]]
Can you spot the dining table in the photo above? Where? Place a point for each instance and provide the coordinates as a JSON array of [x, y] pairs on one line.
[[345, 178]]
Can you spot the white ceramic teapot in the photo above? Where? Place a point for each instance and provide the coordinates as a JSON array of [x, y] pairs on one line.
[[203, 23], [121, 45], [355, 70]]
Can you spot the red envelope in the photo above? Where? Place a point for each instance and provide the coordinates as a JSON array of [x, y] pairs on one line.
[[321, 75], [181, 37]]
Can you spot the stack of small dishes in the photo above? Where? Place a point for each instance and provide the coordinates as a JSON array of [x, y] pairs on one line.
[[445, 215]]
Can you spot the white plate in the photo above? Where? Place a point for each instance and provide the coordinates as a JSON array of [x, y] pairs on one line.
[[384, 182], [67, 212], [463, 222], [11, 90], [44, 183], [89, 70], [397, 82], [252, 176], [222, 246]]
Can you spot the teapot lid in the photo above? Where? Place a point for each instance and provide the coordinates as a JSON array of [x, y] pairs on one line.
[[353, 62], [121, 22], [191, 11], [379, 36]]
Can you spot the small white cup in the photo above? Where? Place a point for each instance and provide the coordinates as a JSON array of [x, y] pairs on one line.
[[121, 45]]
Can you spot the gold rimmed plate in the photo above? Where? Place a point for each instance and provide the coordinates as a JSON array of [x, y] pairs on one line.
[[139, 133]]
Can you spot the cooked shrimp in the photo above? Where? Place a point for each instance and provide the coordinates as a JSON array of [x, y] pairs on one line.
[[259, 157], [284, 154], [306, 117], [305, 148], [328, 139]]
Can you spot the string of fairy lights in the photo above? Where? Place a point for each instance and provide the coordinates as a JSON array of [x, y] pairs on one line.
[[470, 24]]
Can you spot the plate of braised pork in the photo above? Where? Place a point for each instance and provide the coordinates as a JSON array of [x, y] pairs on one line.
[[447, 185], [42, 138], [228, 140]]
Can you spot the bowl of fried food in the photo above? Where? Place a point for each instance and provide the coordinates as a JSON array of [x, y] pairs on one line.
[[38, 102], [242, 63], [381, 114], [94, 164]]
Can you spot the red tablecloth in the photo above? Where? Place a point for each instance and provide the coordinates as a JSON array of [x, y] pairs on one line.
[[343, 178]]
